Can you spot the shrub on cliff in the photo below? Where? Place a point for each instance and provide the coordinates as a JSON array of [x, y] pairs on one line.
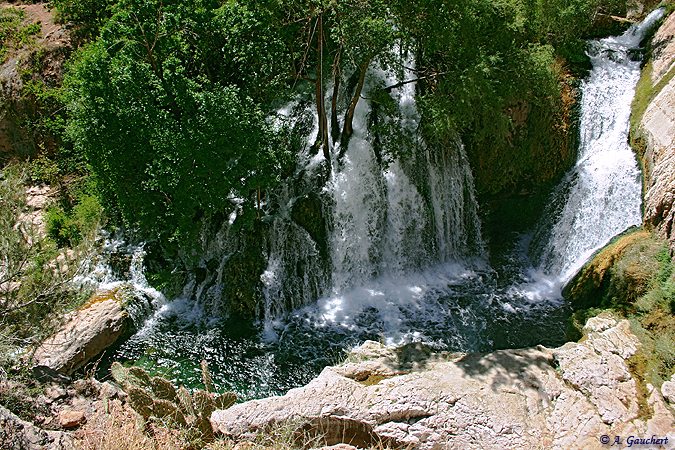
[[35, 278]]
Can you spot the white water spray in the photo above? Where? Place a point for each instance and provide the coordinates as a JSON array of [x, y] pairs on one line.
[[383, 224], [601, 195]]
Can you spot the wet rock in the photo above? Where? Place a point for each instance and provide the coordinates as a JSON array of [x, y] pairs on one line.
[[241, 277], [307, 212], [69, 418], [85, 335], [533, 398], [45, 374]]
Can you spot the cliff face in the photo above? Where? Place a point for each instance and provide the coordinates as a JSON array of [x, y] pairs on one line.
[[657, 131]]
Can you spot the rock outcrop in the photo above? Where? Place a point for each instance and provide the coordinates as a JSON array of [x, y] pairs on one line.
[[86, 333], [17, 434], [657, 127], [52, 46], [569, 397]]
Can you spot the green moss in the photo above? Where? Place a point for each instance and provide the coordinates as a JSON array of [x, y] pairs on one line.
[[618, 275], [633, 278]]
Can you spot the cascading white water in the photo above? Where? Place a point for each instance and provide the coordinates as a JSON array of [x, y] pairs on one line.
[[383, 224], [601, 195], [398, 265], [100, 276]]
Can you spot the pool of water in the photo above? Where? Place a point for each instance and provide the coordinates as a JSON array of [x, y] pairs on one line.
[[468, 308]]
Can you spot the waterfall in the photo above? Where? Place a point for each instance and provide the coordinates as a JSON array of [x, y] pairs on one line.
[[119, 266], [405, 213], [601, 195]]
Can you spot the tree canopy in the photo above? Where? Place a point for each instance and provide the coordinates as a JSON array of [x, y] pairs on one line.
[[170, 100]]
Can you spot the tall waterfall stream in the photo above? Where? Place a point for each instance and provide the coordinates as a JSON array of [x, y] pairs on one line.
[[407, 262]]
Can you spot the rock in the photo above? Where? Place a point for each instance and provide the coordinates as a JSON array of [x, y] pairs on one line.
[[663, 49], [32, 220], [55, 393], [109, 391], [668, 390], [88, 387], [599, 324], [45, 374], [17, 434], [657, 127], [307, 211], [597, 368], [339, 447], [69, 418], [86, 334], [17, 138], [534, 398]]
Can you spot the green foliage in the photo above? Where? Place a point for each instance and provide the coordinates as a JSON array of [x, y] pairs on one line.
[[68, 229], [43, 169], [60, 227], [86, 16], [35, 277], [46, 119], [169, 104], [494, 71], [158, 114], [14, 33]]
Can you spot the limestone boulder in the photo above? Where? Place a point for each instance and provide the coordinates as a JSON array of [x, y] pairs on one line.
[[663, 49], [412, 398], [668, 390], [85, 334]]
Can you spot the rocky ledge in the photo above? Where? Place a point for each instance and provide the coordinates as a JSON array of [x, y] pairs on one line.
[[568, 397], [657, 126]]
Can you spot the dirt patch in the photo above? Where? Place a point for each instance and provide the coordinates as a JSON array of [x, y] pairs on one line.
[[51, 33]]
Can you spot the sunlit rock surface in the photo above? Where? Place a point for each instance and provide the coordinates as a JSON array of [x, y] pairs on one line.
[[86, 333], [534, 398], [658, 127]]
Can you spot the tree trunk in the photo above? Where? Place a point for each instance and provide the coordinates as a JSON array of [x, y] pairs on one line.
[[348, 128], [320, 102], [337, 76]]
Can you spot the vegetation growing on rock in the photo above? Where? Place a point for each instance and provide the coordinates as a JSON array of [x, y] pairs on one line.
[[165, 126], [633, 277]]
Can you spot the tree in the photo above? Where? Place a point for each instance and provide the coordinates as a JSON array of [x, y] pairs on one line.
[[165, 120]]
